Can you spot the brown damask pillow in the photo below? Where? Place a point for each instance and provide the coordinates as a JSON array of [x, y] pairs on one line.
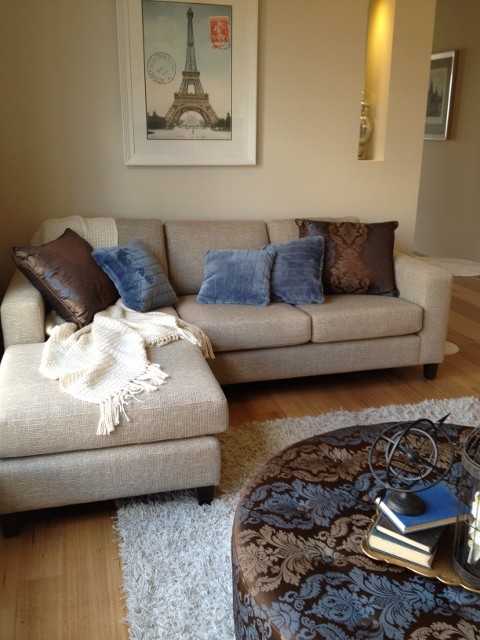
[[358, 256], [67, 276]]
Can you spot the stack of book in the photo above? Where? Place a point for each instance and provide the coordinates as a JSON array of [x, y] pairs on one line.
[[414, 539]]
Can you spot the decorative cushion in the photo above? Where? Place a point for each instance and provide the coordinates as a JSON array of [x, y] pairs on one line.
[[139, 277], [237, 276], [67, 276], [358, 257], [296, 275]]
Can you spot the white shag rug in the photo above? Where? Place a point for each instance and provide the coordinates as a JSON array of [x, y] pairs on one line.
[[176, 554]]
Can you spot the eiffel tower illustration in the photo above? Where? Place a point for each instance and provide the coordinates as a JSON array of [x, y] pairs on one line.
[[191, 96]]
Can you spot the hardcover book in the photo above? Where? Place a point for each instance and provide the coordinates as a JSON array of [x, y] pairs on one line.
[[398, 549], [440, 509], [425, 540]]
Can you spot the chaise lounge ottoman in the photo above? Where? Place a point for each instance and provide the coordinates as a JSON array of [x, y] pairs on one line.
[[51, 456]]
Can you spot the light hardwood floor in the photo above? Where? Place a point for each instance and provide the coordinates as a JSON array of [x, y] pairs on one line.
[[61, 577]]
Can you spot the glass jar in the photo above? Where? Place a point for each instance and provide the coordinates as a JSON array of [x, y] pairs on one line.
[[466, 547]]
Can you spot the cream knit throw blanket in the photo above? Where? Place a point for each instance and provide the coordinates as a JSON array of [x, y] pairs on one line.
[[106, 362]]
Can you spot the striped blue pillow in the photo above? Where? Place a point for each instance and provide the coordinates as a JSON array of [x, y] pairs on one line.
[[237, 276], [139, 277], [297, 271]]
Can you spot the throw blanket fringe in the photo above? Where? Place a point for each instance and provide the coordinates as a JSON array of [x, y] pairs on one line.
[[106, 362], [114, 407]]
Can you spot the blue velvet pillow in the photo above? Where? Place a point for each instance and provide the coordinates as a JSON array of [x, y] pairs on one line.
[[237, 276], [297, 271], [138, 276]]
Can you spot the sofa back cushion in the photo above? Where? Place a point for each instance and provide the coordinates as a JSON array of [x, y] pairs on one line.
[[188, 242], [149, 232], [286, 230], [98, 231]]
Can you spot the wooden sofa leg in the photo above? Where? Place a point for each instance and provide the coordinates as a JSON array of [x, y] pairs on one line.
[[430, 371], [205, 495], [10, 524]]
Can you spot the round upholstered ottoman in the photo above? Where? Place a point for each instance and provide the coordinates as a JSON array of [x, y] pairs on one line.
[[299, 571]]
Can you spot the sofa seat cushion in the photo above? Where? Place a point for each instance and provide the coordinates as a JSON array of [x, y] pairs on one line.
[[36, 417], [345, 317], [236, 326]]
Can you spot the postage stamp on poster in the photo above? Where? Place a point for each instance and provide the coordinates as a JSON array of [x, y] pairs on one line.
[[220, 32]]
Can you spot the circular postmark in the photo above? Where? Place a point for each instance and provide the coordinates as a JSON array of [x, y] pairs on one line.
[[161, 67]]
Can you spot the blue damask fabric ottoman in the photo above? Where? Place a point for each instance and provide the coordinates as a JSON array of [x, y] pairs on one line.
[[298, 568]]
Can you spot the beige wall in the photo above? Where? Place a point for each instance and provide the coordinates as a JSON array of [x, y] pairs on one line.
[[448, 222], [62, 139]]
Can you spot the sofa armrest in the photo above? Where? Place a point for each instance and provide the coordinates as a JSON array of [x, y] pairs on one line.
[[22, 312], [431, 288]]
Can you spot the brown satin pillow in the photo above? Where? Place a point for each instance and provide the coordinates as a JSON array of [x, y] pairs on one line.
[[358, 256], [67, 276]]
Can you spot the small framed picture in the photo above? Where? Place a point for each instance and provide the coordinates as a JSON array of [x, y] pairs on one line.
[[440, 95]]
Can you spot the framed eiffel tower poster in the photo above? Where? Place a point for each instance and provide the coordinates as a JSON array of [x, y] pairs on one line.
[[188, 80]]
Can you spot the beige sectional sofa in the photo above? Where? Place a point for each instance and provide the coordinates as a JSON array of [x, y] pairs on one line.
[[49, 453]]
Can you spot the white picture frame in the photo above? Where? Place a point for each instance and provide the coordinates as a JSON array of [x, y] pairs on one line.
[[441, 85], [230, 66]]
